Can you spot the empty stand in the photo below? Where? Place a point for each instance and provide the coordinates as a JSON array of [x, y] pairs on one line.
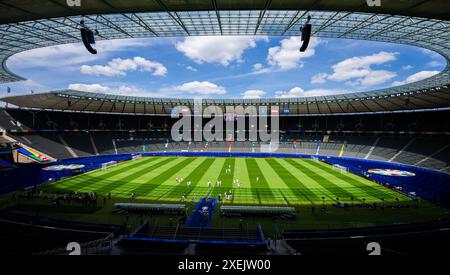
[[384, 137]]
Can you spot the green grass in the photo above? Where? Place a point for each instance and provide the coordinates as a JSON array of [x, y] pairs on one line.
[[294, 182]]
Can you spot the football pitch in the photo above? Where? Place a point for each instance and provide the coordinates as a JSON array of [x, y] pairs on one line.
[[252, 181]]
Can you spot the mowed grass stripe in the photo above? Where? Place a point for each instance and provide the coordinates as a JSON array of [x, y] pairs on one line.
[[132, 178], [212, 174], [169, 184], [262, 188], [375, 189], [226, 178], [294, 183], [245, 194], [308, 181], [90, 178], [340, 192], [173, 191], [89, 184], [356, 191], [109, 185], [154, 182], [281, 192], [196, 176]]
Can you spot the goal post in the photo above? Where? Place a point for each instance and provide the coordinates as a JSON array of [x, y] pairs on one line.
[[137, 156], [340, 168], [315, 159], [109, 164]]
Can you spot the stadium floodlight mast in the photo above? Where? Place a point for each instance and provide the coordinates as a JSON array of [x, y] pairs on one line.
[[258, 126]]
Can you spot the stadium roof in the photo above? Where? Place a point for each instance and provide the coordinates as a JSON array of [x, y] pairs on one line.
[[69, 100], [29, 24], [26, 10]]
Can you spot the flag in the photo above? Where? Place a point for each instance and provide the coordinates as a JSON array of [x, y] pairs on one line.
[[8, 90], [32, 92]]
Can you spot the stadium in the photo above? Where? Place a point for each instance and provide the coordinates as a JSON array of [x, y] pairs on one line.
[[106, 174]]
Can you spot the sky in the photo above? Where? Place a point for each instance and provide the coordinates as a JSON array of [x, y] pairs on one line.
[[222, 67]]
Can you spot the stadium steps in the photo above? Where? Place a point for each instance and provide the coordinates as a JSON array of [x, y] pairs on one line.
[[9, 123], [372, 148], [48, 145], [446, 169], [420, 149], [404, 148], [388, 147], [104, 143], [439, 161], [68, 148], [80, 144]]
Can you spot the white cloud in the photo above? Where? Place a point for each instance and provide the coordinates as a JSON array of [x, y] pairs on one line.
[[374, 78], [319, 78], [120, 67], [407, 67], [416, 77], [190, 68], [217, 49], [91, 88], [30, 84], [253, 94], [430, 53], [197, 88], [258, 67], [71, 54], [184, 90], [288, 56], [22, 87], [124, 90], [357, 71], [299, 92], [435, 63]]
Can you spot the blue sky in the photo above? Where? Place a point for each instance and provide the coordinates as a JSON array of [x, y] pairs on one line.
[[223, 67]]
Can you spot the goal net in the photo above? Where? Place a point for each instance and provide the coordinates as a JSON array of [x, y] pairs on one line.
[[110, 164], [135, 157], [340, 168], [315, 159]]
